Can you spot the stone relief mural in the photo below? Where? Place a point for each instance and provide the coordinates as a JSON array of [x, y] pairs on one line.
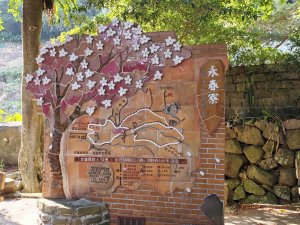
[[122, 110]]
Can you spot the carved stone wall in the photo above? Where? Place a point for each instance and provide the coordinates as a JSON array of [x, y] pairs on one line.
[[156, 152]]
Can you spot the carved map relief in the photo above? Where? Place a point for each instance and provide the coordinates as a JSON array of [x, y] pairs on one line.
[[149, 139]]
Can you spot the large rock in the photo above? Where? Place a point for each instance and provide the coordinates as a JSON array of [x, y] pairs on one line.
[[269, 148], [295, 191], [285, 157], [268, 198], [249, 135], [253, 153], [239, 193], [293, 139], [282, 191], [287, 177], [233, 164], [233, 146], [269, 130], [2, 181], [228, 194], [232, 183], [297, 164], [268, 164], [229, 133], [9, 186], [10, 142], [261, 176], [291, 124], [251, 187]]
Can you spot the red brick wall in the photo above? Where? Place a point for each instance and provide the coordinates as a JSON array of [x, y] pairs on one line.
[[179, 207]]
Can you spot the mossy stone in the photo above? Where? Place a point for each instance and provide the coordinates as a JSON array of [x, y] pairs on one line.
[[261, 176], [232, 183], [253, 153], [233, 146], [251, 187], [239, 193]]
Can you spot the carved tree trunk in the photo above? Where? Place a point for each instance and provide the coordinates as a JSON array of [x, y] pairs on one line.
[[30, 158], [54, 129]]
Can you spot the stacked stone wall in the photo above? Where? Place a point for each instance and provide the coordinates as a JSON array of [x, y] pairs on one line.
[[262, 162]]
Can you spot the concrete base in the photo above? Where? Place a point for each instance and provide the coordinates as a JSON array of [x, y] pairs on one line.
[[71, 212]]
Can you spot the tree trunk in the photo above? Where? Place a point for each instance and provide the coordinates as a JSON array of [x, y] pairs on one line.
[[30, 157]]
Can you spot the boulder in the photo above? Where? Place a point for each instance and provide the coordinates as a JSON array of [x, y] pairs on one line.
[[285, 157], [297, 164], [269, 148], [13, 175], [10, 142], [295, 191], [19, 185], [232, 183], [293, 139], [10, 186], [270, 131], [239, 193], [253, 153], [251, 187], [282, 191], [268, 198], [229, 133], [249, 135], [287, 176], [261, 176], [291, 124], [2, 181], [228, 194], [268, 164], [233, 164], [233, 146]]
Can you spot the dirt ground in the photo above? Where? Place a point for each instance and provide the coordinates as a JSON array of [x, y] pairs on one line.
[[19, 212], [24, 212], [264, 216]]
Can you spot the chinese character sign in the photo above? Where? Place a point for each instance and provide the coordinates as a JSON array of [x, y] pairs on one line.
[[211, 94]]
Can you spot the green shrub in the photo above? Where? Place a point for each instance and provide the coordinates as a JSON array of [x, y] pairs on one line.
[[6, 117]]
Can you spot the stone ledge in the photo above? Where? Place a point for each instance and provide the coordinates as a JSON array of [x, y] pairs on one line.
[[67, 212]]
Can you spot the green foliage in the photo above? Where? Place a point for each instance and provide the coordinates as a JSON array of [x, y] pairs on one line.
[[1, 23], [255, 31], [12, 29], [6, 117], [10, 97], [11, 17], [15, 8]]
